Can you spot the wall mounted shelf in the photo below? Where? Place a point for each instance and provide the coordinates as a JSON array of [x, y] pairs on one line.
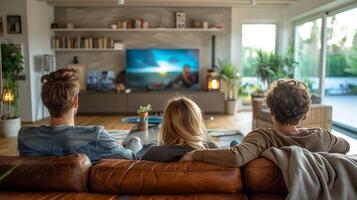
[[86, 50], [137, 30]]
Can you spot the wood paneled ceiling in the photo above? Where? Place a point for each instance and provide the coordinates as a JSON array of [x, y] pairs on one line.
[[194, 3]]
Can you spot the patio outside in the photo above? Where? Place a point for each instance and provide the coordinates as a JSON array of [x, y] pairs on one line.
[[344, 109]]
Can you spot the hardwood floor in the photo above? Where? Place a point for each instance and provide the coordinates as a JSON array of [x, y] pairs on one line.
[[242, 121]]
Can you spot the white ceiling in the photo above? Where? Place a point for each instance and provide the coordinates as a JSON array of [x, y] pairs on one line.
[[198, 3]]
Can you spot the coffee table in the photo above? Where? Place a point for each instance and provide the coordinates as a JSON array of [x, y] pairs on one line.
[[148, 136], [222, 138]]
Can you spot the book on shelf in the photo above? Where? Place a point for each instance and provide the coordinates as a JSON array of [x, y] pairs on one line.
[[82, 43]]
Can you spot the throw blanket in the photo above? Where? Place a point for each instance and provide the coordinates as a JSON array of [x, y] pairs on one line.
[[310, 175]]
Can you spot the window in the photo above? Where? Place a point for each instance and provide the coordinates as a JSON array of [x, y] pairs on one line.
[[308, 48], [341, 66], [340, 81], [255, 37]]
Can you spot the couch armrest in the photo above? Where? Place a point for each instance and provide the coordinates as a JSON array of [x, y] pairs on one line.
[[263, 176]]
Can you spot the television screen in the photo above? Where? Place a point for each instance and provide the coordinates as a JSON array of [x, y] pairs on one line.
[[101, 80], [162, 68]]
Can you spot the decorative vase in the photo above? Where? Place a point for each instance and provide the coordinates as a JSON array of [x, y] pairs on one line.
[[143, 121], [10, 127], [231, 107], [143, 115]]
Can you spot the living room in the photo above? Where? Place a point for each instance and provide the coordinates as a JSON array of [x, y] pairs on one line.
[[135, 59]]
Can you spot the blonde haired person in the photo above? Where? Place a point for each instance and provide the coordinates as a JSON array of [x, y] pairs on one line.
[[289, 103], [183, 130]]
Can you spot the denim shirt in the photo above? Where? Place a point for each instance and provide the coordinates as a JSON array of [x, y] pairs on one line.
[[94, 141]]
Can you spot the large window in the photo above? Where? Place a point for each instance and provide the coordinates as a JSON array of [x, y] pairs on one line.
[[341, 67], [340, 53], [308, 48], [255, 37]]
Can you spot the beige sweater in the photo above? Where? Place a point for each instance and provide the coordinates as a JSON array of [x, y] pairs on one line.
[[251, 147]]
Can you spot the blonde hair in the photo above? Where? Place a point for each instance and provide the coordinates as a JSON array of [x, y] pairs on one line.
[[58, 90], [182, 123]]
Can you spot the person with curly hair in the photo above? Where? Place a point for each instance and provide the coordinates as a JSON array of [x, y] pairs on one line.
[[289, 102]]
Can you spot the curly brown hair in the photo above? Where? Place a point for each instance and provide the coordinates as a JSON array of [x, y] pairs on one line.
[[289, 101]]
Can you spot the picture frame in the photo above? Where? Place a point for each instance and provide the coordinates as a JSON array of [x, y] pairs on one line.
[[14, 24], [1, 27]]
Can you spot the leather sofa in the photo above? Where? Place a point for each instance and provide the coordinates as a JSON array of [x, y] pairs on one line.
[[74, 177]]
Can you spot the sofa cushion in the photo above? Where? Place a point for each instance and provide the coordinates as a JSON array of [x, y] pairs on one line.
[[145, 177], [60, 174], [190, 196], [90, 196], [55, 196], [263, 176]]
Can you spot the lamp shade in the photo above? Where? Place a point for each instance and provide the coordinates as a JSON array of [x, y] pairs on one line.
[[7, 96]]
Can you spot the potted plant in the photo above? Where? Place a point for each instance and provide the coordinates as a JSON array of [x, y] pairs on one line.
[[144, 111], [272, 66], [12, 65], [231, 76]]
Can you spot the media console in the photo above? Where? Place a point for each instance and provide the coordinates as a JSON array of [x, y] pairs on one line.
[[93, 102]]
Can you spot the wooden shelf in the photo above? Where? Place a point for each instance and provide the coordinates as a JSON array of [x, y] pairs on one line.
[[137, 30], [86, 50]]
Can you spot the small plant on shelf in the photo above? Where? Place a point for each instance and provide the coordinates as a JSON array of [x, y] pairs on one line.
[[144, 111]]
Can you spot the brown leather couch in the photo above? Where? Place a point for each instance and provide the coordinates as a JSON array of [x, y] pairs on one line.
[[73, 177]]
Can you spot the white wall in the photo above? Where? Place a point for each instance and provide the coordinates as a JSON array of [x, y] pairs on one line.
[[36, 18], [18, 7], [258, 15], [39, 18]]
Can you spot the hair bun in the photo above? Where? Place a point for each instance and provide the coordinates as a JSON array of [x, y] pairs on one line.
[[45, 79]]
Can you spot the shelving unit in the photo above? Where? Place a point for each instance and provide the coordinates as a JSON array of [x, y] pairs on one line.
[[86, 50], [137, 30]]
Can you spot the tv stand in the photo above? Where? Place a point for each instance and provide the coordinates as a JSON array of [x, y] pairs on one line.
[[95, 102]]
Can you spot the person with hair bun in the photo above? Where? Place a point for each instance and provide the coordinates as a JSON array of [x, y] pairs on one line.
[[59, 94], [289, 102]]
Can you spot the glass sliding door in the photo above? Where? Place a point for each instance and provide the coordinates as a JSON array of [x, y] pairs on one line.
[[308, 53], [341, 69]]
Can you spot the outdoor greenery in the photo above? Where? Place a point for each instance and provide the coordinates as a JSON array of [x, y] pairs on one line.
[[271, 66], [12, 66], [230, 74]]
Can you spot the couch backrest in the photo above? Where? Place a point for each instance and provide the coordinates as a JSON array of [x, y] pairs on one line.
[[60, 174], [127, 177], [263, 176]]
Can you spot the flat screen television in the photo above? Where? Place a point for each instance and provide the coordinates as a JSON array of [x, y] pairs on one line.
[[162, 68]]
